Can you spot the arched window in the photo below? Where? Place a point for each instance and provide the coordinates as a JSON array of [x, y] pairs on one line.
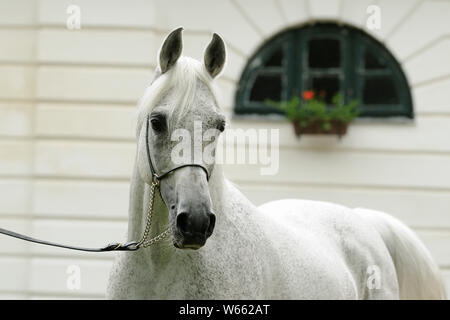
[[326, 58]]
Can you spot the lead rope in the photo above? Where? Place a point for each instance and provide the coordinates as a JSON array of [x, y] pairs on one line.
[[144, 242], [128, 246]]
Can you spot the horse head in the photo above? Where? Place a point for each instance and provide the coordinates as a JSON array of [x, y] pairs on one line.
[[180, 122]]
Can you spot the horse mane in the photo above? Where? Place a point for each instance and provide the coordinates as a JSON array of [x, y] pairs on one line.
[[182, 77]]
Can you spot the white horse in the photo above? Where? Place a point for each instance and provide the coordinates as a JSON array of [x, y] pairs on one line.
[[287, 249]]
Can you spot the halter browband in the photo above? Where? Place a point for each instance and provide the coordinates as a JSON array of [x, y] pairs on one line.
[[128, 246], [165, 174]]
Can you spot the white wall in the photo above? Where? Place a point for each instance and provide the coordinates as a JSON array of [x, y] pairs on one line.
[[67, 107]]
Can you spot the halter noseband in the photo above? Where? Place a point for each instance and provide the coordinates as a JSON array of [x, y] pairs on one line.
[[159, 177]]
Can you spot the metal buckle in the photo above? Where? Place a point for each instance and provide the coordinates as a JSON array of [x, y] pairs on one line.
[[155, 177]]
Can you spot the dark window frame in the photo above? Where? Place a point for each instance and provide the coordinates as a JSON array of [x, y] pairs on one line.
[[294, 43]]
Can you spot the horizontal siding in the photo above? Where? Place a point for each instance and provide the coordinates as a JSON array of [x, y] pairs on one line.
[[81, 199], [14, 274], [109, 200], [115, 160], [69, 232], [352, 168], [15, 119], [425, 133], [12, 296], [16, 157], [68, 111], [419, 209], [94, 275], [16, 195], [91, 84], [17, 45], [439, 245], [16, 82], [86, 121], [97, 47], [88, 159], [11, 246], [17, 13], [136, 13]]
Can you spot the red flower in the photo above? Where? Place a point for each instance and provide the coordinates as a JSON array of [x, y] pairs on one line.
[[308, 95]]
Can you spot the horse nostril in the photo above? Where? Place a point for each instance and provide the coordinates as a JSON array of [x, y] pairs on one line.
[[182, 219], [195, 224], [212, 223]]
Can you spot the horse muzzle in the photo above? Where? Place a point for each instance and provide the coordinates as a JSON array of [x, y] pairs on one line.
[[193, 229]]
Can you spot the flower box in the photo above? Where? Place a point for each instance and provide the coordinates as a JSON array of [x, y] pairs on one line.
[[317, 127], [311, 115]]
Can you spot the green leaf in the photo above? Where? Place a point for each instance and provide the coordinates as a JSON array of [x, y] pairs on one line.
[[306, 112]]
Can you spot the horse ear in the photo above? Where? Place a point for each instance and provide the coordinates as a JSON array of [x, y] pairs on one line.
[[171, 50], [215, 55]]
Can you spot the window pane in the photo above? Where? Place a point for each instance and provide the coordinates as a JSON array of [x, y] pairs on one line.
[[266, 87], [324, 53], [380, 90], [372, 62], [276, 59], [326, 86]]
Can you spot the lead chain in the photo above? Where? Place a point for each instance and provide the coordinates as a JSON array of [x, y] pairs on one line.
[[144, 241]]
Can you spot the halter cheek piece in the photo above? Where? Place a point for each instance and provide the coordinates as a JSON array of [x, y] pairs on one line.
[[165, 174], [132, 245]]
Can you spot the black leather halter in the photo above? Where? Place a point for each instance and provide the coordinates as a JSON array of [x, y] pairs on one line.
[[128, 246]]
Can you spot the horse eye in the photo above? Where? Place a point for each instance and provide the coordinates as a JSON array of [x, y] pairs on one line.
[[157, 124], [221, 126]]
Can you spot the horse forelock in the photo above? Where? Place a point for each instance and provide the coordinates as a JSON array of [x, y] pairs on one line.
[[181, 82]]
